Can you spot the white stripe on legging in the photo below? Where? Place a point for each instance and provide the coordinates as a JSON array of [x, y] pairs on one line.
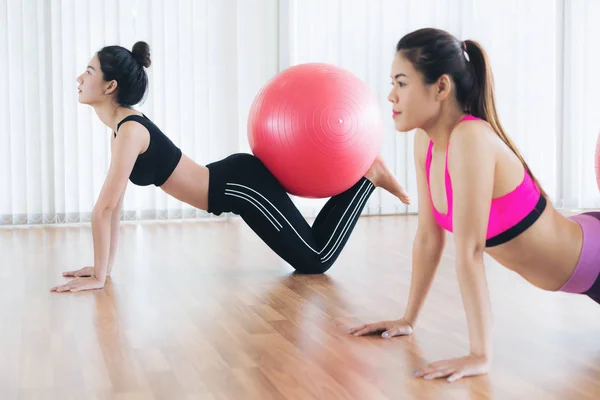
[[286, 220], [250, 201], [340, 221], [338, 242], [294, 229], [256, 201]]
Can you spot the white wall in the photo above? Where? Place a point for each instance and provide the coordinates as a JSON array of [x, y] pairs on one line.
[[542, 55], [209, 59]]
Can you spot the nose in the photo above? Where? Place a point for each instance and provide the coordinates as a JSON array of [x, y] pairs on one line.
[[79, 80], [391, 96]]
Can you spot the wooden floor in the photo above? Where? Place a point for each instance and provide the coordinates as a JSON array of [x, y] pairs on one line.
[[204, 310]]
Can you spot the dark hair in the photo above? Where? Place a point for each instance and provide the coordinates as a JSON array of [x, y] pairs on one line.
[[127, 68], [434, 52]]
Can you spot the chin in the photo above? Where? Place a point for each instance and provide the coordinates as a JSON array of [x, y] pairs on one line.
[[403, 127]]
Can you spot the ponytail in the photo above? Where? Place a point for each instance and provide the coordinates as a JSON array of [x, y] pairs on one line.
[[482, 103]]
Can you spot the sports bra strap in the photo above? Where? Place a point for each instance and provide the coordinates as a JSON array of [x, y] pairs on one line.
[[137, 118]]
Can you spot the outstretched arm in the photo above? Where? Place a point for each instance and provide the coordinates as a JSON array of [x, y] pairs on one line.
[[130, 142], [428, 246], [471, 164], [429, 241]]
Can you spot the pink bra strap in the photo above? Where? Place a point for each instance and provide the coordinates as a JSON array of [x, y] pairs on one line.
[[469, 117]]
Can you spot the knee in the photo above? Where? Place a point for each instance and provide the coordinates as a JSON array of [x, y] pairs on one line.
[[314, 266]]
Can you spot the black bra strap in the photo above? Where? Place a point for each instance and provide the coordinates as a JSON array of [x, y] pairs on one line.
[[516, 230]]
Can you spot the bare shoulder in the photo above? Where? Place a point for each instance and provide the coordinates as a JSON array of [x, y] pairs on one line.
[[472, 136], [133, 135], [131, 129]]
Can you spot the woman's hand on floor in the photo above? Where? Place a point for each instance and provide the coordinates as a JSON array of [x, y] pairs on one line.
[[79, 284], [390, 329], [455, 369]]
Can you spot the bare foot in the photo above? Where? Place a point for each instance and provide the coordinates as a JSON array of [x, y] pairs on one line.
[[382, 177]]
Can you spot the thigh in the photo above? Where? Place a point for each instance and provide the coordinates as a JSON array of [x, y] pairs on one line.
[[252, 191]]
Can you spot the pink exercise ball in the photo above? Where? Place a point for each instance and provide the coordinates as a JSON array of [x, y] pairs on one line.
[[598, 161], [317, 128]]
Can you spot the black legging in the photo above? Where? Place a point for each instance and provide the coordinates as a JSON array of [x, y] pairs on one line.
[[241, 184]]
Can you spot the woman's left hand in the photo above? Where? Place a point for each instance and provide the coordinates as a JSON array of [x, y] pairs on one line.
[[455, 368], [79, 284]]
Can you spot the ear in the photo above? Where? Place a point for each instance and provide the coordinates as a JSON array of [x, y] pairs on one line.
[[443, 87], [111, 88]]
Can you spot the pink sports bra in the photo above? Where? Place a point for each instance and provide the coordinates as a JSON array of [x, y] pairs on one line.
[[510, 214]]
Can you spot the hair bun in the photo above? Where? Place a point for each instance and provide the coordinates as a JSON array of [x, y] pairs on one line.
[[141, 53]]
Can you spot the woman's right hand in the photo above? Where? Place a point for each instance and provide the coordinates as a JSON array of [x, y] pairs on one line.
[[83, 272], [390, 329]]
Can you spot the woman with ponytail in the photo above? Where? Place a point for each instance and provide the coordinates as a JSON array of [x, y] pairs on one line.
[[473, 181]]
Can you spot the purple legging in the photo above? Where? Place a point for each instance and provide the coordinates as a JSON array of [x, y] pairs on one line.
[[585, 279]]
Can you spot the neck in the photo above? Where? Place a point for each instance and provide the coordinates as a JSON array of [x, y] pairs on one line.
[[111, 114], [439, 129]]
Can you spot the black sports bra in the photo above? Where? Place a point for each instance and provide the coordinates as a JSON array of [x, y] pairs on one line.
[[157, 163]]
